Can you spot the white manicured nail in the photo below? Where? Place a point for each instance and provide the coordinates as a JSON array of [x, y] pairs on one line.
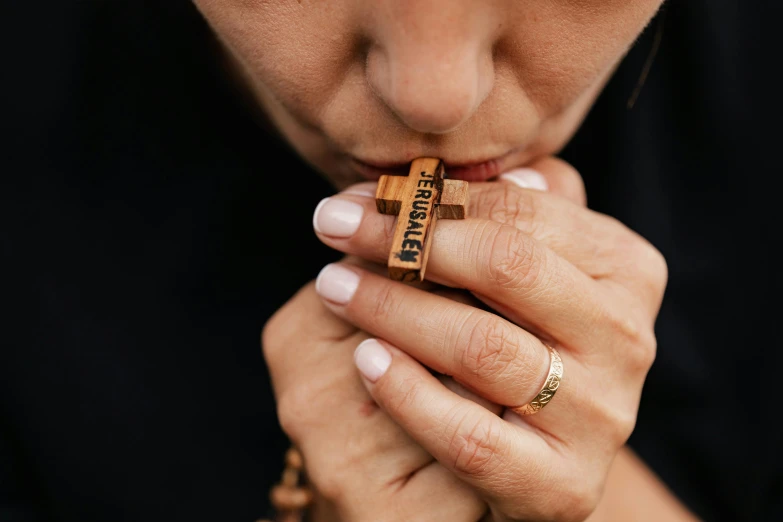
[[372, 359], [337, 217], [526, 178], [367, 189], [337, 284]]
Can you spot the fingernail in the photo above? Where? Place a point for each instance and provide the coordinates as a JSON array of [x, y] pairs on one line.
[[336, 283], [372, 359], [337, 217], [366, 189], [526, 178]]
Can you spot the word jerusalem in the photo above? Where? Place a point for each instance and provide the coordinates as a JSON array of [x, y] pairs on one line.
[[419, 200]]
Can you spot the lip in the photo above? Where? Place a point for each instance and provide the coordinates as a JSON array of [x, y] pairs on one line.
[[482, 170]]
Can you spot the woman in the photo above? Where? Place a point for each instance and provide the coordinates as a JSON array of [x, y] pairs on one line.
[[172, 229], [489, 89]]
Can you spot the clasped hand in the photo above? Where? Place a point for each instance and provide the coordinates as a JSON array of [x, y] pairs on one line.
[[425, 430]]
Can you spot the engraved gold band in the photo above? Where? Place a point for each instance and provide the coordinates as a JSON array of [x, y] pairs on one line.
[[551, 385]]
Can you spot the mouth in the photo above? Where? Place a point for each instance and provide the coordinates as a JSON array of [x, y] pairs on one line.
[[482, 170]]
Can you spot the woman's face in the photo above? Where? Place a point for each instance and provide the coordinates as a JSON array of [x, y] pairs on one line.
[[362, 87]]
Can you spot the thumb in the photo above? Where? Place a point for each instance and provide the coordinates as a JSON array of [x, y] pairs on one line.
[[305, 316], [552, 175], [299, 340]]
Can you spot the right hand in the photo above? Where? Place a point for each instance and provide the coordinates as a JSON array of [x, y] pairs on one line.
[[361, 465]]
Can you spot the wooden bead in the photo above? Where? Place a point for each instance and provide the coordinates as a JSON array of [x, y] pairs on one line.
[[293, 459], [290, 477], [288, 498]]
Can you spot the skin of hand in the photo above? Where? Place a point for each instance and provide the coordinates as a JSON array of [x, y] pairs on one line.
[[360, 463], [633, 493], [350, 83], [551, 270]]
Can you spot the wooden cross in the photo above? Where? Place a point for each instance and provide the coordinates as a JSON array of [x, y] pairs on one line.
[[419, 199]]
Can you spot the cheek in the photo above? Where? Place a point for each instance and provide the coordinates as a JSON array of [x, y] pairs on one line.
[[299, 55], [309, 57], [559, 51]]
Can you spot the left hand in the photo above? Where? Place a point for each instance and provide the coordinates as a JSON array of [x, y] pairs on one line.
[[360, 465], [552, 270]]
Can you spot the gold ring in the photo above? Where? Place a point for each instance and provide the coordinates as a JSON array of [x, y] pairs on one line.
[[551, 385]]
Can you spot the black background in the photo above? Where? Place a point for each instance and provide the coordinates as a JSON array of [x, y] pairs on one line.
[[142, 253]]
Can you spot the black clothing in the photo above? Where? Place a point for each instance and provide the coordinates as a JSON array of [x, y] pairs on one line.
[[143, 249]]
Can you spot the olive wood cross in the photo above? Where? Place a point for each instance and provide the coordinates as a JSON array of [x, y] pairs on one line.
[[419, 199]]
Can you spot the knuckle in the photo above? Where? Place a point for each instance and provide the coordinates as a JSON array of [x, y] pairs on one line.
[[514, 261], [658, 270], [490, 349], [643, 352], [623, 422], [578, 500], [406, 395], [649, 261], [637, 341], [617, 420], [644, 260], [572, 185], [386, 303], [293, 410], [472, 448], [508, 204]]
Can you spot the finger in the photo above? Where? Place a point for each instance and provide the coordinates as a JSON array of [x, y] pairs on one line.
[[460, 296], [488, 355], [308, 351], [465, 393], [303, 317], [491, 357], [598, 245], [547, 174], [552, 175], [502, 201], [497, 458], [577, 234], [506, 268]]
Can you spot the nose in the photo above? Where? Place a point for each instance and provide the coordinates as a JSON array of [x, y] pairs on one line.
[[431, 62]]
